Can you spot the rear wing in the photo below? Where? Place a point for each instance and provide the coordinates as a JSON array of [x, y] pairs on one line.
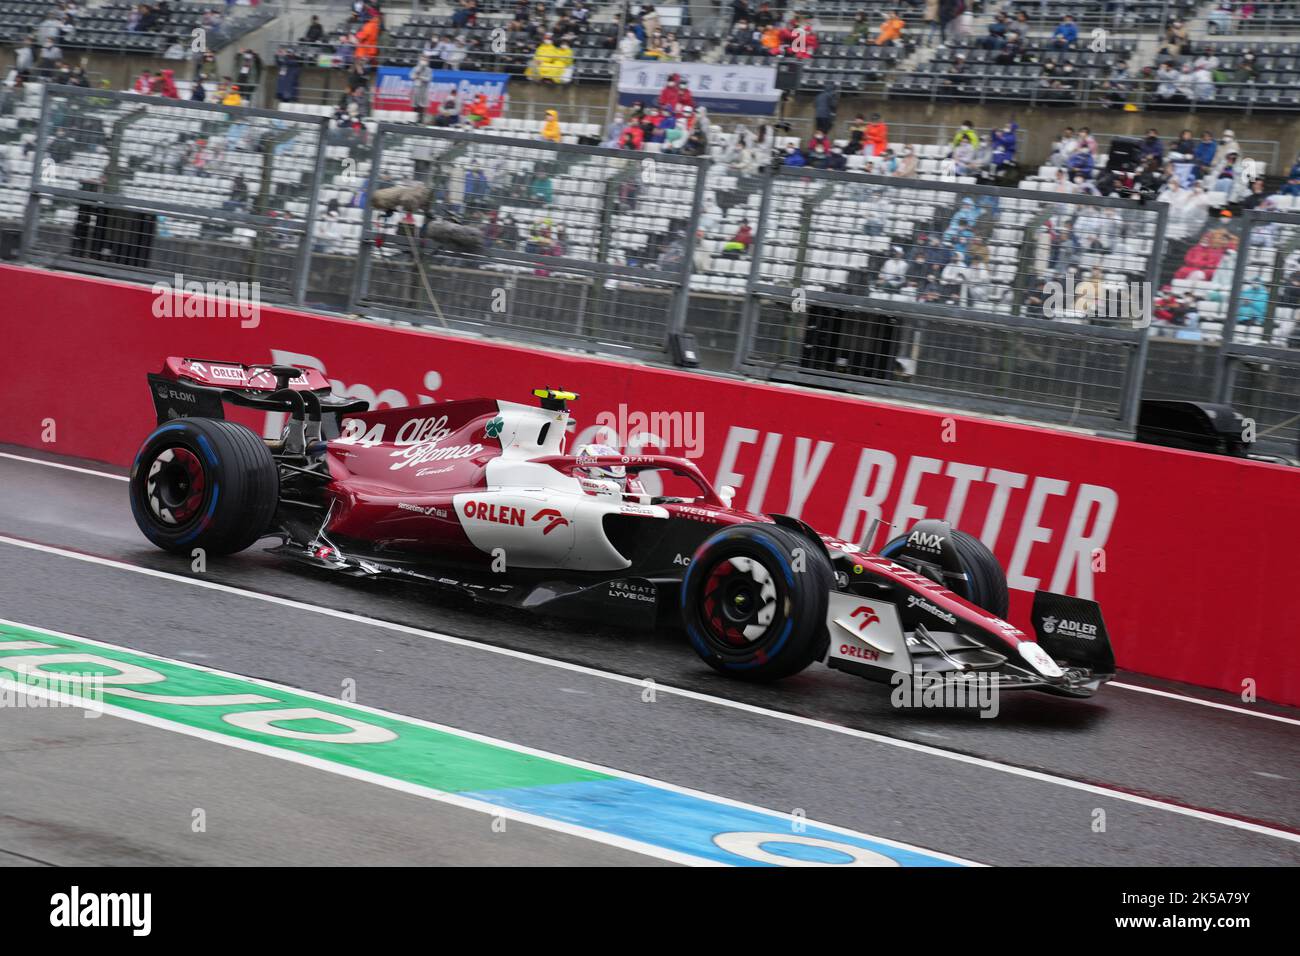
[[200, 388]]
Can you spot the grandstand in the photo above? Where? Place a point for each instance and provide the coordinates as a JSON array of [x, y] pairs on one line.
[[930, 226]]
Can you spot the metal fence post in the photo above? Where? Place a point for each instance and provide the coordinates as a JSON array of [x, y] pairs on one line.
[[32, 213], [361, 277], [677, 323], [749, 314], [302, 266], [1138, 367], [1221, 373]]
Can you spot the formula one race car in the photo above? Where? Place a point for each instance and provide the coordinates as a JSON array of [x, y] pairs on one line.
[[478, 496]]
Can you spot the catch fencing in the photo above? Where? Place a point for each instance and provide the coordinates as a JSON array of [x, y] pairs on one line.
[[1259, 359], [1031, 303]]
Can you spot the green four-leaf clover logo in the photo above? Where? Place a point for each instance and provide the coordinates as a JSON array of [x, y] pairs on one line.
[[494, 427]]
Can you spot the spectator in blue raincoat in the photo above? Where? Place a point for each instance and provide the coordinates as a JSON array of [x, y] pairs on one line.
[[1080, 161], [793, 157], [1066, 33], [1252, 306], [1205, 152], [1004, 145], [964, 218]]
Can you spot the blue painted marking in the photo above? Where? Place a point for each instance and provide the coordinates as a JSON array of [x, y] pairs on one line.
[[685, 823]]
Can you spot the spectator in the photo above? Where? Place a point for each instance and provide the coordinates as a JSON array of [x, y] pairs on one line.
[[167, 85], [551, 63], [49, 58], [907, 163], [448, 110], [819, 140], [1183, 148], [1292, 185], [948, 12], [143, 83], [629, 48], [675, 95], [997, 32], [1255, 196], [1205, 152], [248, 71], [965, 134], [792, 157], [1004, 146], [1228, 142], [1220, 17], [48, 28], [1177, 39], [1167, 86], [465, 15], [891, 30], [367, 48], [1151, 147], [632, 137], [738, 245], [824, 107], [697, 144], [860, 31], [1066, 34], [421, 77], [551, 128], [893, 273], [288, 70], [1012, 49], [228, 93], [479, 112], [875, 136], [1063, 147], [1247, 70], [315, 32]]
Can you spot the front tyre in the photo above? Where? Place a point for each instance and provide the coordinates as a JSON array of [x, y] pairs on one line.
[[754, 601], [204, 483]]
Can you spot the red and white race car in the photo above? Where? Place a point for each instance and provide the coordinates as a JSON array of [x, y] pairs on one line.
[[479, 496]]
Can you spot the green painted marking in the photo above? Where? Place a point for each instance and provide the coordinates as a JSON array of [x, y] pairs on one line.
[[407, 751]]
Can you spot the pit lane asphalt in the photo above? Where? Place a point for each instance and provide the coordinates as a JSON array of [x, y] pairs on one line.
[[1172, 750]]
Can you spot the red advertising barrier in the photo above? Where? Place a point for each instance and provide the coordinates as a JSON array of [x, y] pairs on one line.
[[1191, 556]]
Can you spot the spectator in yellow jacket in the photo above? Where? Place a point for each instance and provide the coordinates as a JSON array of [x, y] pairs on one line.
[[551, 63], [551, 128]]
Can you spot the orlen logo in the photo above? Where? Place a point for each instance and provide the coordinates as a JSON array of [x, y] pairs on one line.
[[862, 653], [925, 541], [487, 511], [556, 519], [869, 616], [227, 373]]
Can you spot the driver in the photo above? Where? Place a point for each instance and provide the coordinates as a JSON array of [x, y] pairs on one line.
[[615, 473]]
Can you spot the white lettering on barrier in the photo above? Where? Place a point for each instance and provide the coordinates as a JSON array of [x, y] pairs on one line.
[[918, 495]]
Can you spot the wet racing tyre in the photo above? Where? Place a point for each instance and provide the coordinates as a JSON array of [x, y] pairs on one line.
[[754, 601], [204, 483], [986, 581]]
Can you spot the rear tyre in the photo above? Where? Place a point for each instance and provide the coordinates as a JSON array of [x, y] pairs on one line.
[[204, 483], [754, 601]]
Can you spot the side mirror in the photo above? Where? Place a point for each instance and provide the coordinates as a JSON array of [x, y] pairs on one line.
[[726, 493]]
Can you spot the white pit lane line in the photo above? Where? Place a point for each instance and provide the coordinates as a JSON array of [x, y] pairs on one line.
[[1168, 695], [984, 763]]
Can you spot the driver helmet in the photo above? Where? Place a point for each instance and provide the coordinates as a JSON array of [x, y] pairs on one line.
[[614, 473]]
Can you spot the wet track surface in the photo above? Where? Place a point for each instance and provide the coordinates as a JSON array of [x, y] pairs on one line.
[[1016, 789]]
